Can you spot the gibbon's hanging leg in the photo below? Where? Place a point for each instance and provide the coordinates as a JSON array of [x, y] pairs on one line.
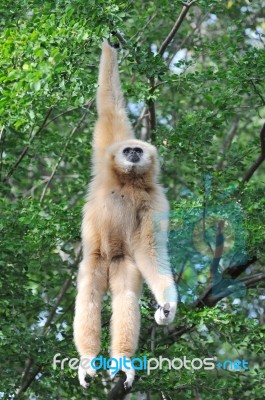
[[152, 259], [92, 284], [125, 286]]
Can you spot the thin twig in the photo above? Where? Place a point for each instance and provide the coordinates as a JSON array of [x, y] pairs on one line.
[[58, 301], [186, 38], [153, 336], [228, 141], [257, 91], [62, 154], [26, 149], [1, 132], [43, 126], [214, 274], [2, 140], [140, 32], [65, 112], [178, 275], [140, 118]]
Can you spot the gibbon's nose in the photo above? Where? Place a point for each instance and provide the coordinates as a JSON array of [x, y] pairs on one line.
[[133, 154], [134, 157]]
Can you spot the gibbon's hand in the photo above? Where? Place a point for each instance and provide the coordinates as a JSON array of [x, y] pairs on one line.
[[85, 369], [130, 374], [166, 314], [115, 45]]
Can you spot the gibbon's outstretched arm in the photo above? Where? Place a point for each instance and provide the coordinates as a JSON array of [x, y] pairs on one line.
[[152, 259], [113, 124]]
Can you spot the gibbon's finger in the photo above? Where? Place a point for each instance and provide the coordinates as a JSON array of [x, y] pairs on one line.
[[165, 315], [116, 45], [166, 309]]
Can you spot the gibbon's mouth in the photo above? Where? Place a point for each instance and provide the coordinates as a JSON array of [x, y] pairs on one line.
[[134, 158]]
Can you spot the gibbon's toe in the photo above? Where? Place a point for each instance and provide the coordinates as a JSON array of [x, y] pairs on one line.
[[166, 314], [85, 372], [129, 372], [82, 377], [112, 370]]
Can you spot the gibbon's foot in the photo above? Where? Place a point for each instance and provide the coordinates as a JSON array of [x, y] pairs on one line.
[[129, 372], [85, 369], [165, 315]]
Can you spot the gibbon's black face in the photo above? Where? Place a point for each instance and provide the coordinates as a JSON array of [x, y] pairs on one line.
[[133, 154]]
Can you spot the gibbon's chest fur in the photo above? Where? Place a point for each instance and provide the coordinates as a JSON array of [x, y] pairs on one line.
[[115, 217], [127, 206]]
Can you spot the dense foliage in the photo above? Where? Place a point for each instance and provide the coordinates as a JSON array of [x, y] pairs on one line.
[[200, 99]]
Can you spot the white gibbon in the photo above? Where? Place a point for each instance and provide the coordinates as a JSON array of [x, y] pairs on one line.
[[124, 231]]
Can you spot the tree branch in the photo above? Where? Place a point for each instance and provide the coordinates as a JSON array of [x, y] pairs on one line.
[[218, 252], [151, 110], [236, 270], [257, 91], [176, 27], [222, 289], [218, 291], [230, 288], [253, 280], [26, 379], [259, 160]]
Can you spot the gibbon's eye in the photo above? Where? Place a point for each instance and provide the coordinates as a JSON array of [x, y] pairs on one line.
[[138, 150], [127, 150]]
